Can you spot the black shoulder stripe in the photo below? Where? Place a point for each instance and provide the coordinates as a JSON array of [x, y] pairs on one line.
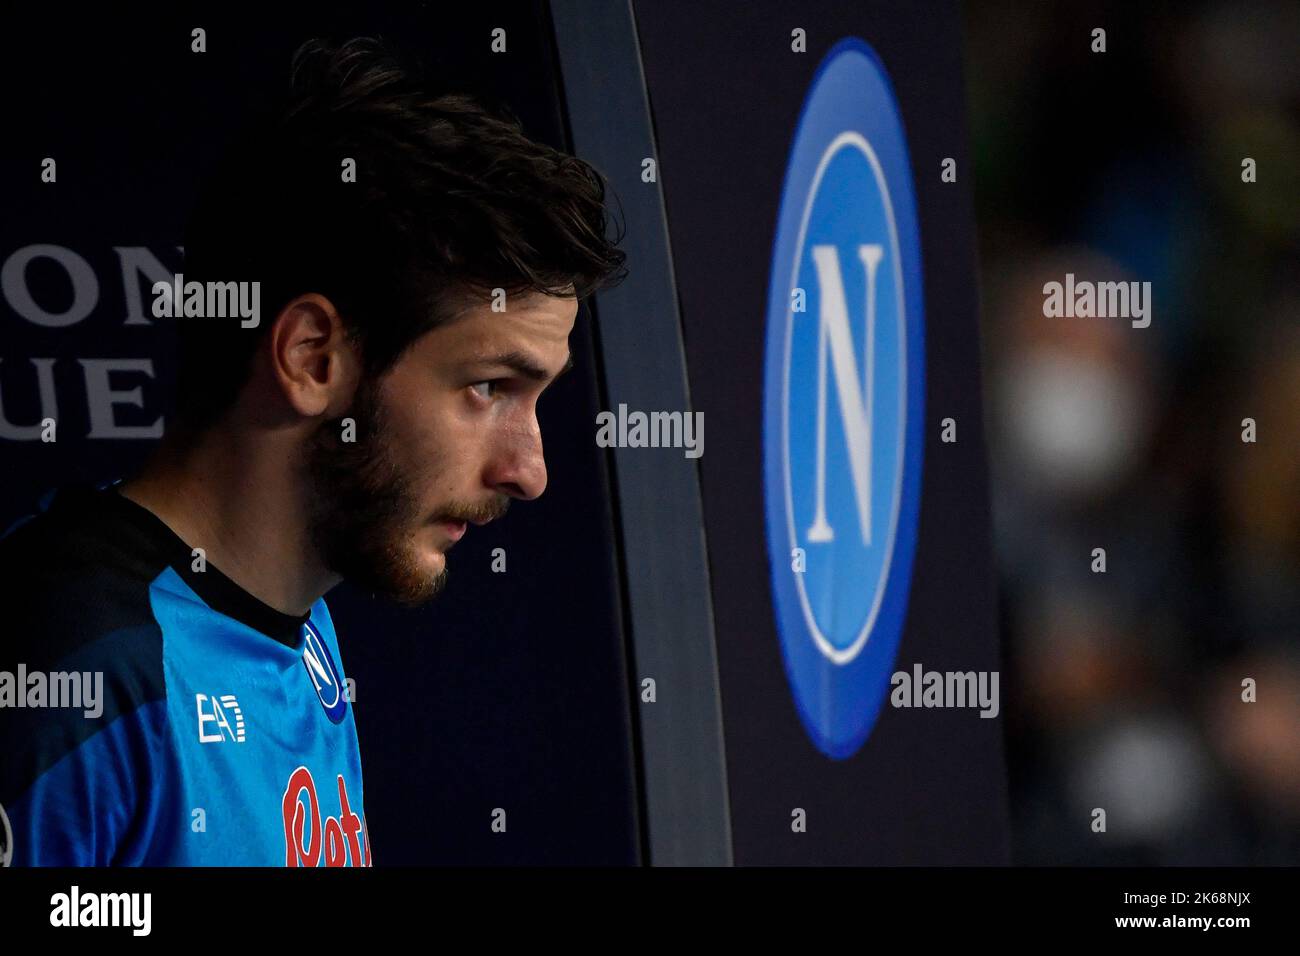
[[76, 580]]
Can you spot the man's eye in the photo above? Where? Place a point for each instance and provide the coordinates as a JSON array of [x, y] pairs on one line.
[[485, 390]]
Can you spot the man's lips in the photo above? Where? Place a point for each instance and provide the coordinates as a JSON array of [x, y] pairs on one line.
[[455, 526]]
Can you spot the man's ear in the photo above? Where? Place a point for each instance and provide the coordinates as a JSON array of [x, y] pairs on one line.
[[313, 362]]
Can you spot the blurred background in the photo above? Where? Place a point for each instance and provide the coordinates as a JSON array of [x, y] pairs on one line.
[[1124, 689]]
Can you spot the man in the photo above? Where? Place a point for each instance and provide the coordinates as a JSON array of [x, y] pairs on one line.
[[171, 690]]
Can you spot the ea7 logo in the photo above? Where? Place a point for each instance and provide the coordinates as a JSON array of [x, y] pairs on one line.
[[222, 716]]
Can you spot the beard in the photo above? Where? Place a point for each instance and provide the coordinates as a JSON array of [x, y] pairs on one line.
[[364, 511]]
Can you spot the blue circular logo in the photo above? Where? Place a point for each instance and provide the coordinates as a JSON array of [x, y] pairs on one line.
[[844, 396], [324, 675]]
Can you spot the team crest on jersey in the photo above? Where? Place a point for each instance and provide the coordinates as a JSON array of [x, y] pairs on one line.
[[324, 675]]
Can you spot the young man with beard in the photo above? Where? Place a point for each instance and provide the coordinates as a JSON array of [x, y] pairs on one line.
[[417, 310]]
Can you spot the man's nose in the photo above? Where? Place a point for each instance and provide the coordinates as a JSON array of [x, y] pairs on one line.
[[521, 471]]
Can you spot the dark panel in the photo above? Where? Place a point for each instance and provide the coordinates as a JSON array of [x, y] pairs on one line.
[[668, 607], [725, 89]]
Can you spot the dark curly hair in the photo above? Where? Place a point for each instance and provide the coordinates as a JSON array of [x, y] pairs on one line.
[[451, 198]]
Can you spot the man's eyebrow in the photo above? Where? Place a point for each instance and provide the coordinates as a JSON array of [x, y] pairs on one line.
[[524, 365]]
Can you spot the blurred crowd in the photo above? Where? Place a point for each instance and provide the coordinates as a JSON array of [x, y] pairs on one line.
[[1123, 689]]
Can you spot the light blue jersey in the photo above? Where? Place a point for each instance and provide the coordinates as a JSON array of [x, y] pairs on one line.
[[207, 728]]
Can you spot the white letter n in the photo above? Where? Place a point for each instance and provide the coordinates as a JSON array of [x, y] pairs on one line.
[[855, 407]]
